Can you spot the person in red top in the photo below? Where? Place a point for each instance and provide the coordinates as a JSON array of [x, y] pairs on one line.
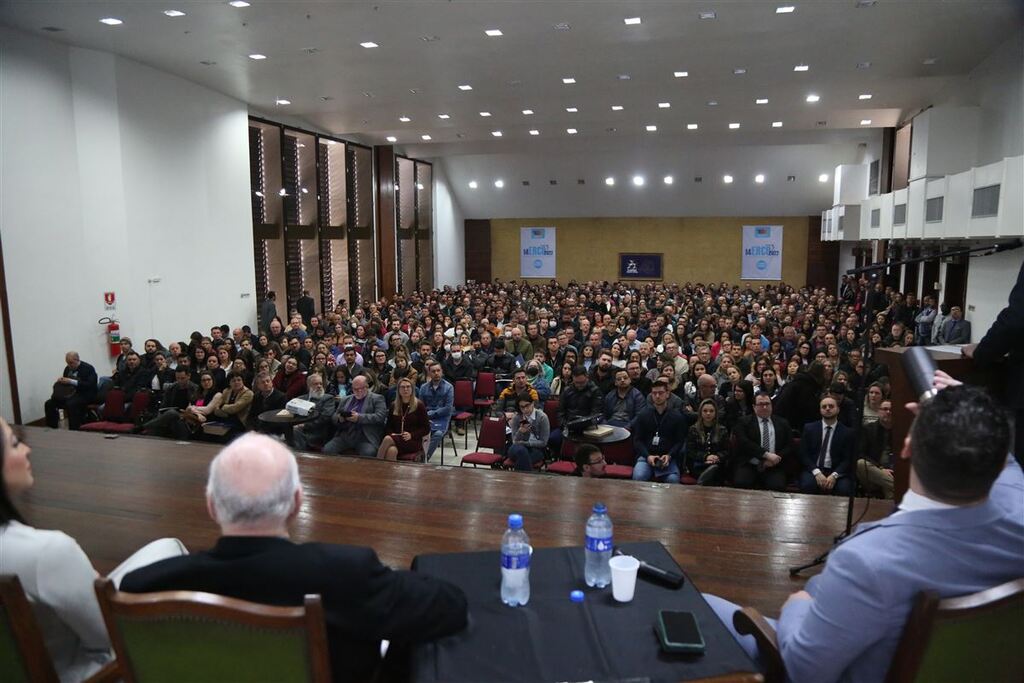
[[407, 424], [290, 379]]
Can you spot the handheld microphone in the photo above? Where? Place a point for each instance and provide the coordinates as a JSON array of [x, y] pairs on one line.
[[656, 574], [919, 367]]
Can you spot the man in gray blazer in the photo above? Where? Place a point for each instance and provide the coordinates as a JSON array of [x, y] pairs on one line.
[[956, 330], [958, 530], [358, 422]]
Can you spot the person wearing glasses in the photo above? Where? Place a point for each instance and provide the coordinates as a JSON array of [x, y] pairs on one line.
[[530, 432]]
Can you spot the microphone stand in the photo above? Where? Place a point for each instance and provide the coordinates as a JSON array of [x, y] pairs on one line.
[[821, 559]]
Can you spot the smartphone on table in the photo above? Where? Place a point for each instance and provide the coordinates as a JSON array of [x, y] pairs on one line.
[[679, 632]]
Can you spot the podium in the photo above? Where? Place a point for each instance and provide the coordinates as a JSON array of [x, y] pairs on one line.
[[902, 394]]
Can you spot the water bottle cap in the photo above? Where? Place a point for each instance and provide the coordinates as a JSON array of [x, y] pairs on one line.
[[515, 521], [576, 596], [600, 509]]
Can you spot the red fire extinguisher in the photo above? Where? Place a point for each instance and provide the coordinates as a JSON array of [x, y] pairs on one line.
[[113, 336]]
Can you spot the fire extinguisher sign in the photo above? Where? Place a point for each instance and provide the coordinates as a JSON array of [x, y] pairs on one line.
[[109, 301]]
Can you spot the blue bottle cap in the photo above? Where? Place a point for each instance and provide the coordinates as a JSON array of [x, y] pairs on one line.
[[515, 521], [576, 596], [600, 509]]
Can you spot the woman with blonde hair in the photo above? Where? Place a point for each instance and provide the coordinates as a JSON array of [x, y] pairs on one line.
[[407, 423]]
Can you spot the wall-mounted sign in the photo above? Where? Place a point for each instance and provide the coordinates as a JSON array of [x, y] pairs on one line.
[[641, 266]]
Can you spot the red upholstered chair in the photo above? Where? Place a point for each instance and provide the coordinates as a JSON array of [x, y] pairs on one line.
[[551, 410], [566, 463], [140, 402], [492, 435], [113, 413], [485, 392], [464, 406], [620, 458]]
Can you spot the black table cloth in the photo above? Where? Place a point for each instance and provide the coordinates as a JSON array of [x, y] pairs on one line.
[[554, 639]]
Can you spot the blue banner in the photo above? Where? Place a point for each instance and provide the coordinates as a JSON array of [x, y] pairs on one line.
[[762, 252], [537, 252], [641, 267]]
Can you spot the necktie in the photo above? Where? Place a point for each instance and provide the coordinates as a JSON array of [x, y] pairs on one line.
[[824, 447], [764, 434]]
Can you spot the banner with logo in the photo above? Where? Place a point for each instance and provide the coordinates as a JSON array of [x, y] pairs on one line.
[[762, 252], [640, 266], [537, 252]]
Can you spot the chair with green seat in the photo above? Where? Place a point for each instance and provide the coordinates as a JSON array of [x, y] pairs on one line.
[[190, 636], [977, 637]]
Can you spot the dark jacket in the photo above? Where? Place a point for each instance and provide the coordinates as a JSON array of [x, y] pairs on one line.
[[748, 439], [261, 403], [635, 403], [499, 365], [87, 381], [453, 371], [1003, 340], [364, 601], [874, 441], [132, 382], [292, 385], [575, 403], [669, 427], [606, 383], [798, 401], [180, 397], [842, 448], [715, 442]]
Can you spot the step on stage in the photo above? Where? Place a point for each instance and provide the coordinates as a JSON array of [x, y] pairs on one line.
[[115, 495]]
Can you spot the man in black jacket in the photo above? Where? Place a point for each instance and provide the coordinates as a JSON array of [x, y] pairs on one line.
[[253, 493], [77, 389], [501, 362], [763, 441], [135, 377], [180, 396], [826, 452], [265, 397]]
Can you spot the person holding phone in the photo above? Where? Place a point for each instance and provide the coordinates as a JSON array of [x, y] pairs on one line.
[[658, 438], [530, 432]]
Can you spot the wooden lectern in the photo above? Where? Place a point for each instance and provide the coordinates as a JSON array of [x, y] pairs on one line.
[[902, 394]]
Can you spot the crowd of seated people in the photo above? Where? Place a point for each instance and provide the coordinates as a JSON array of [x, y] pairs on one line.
[[741, 373]]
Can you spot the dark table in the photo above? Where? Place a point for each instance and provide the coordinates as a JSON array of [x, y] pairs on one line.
[[618, 434], [286, 423], [554, 639]]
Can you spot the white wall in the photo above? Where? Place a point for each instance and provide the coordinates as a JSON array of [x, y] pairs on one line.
[[989, 281], [6, 406], [113, 173], [449, 231], [846, 259], [999, 89]]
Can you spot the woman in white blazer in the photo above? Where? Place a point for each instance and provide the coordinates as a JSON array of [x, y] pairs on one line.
[[55, 572]]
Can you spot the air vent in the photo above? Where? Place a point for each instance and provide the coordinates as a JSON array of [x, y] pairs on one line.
[[562, 26], [986, 202], [698, 179], [899, 214], [581, 181], [933, 210], [876, 218], [791, 179], [552, 182], [526, 183]]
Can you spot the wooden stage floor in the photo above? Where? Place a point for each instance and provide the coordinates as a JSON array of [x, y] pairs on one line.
[[114, 495]]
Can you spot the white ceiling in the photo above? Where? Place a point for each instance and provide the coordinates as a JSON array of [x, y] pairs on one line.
[[524, 69]]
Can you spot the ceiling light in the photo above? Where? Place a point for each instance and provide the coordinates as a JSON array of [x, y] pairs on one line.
[[485, 114], [571, 110], [283, 101], [419, 186], [691, 126], [727, 179], [664, 105], [680, 74], [404, 119], [616, 107], [759, 178], [865, 122], [391, 138], [282, 192], [638, 180], [493, 32], [651, 129], [465, 87], [813, 98], [631, 21], [609, 181], [930, 60], [866, 3], [571, 131], [785, 9], [624, 77], [534, 132], [801, 67], [863, 65], [238, 3], [739, 71], [429, 39], [707, 15], [791, 179], [864, 96], [562, 26], [499, 183], [443, 117], [712, 103], [527, 112], [111, 21], [496, 133], [257, 56], [776, 124], [369, 44], [473, 185], [761, 100], [426, 137], [174, 13], [733, 126], [669, 180], [823, 178], [569, 80]]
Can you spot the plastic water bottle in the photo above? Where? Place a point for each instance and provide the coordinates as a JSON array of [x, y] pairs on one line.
[[598, 548], [515, 563]]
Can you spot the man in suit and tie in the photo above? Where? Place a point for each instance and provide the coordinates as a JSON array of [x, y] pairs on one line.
[[956, 330], [358, 422], [763, 440], [826, 450], [957, 531], [253, 493], [75, 389]]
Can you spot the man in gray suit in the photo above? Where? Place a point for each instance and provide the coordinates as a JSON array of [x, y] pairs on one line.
[[956, 330], [958, 530], [358, 422]]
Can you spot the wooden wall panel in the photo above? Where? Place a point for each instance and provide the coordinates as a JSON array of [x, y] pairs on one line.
[[387, 246], [822, 258], [478, 250]]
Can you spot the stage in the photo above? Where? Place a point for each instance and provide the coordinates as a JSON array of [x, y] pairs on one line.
[[114, 495]]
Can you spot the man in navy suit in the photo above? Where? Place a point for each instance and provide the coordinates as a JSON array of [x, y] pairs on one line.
[[77, 389], [958, 530], [826, 450]]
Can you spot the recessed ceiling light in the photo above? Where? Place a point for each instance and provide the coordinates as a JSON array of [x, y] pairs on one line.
[[761, 100], [425, 137], [785, 9], [823, 178], [499, 183], [638, 180], [669, 180], [404, 119], [631, 21], [443, 117], [238, 3], [562, 26], [691, 126], [174, 13], [698, 179], [863, 65], [616, 107], [369, 44], [609, 181], [733, 126], [283, 101], [473, 185], [496, 133], [485, 114], [865, 122], [571, 131], [534, 132], [680, 74], [791, 179], [465, 87], [391, 138], [866, 3], [111, 21], [571, 110], [493, 32], [652, 128], [813, 98], [257, 56], [664, 105], [429, 39], [739, 71], [930, 60], [707, 15], [712, 103], [864, 96], [776, 124], [727, 179], [801, 67], [568, 80], [527, 112], [759, 178], [624, 77]]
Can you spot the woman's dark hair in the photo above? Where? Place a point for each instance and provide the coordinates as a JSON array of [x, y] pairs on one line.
[[8, 513]]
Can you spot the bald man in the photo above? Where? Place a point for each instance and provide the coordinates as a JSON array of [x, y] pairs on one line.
[[74, 390], [253, 493]]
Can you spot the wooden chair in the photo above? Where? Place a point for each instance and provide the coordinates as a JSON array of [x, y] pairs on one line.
[[185, 635], [23, 655], [977, 637]]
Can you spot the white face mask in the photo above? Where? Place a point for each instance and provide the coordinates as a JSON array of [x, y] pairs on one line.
[[552, 324], [447, 347], [508, 334], [456, 356]]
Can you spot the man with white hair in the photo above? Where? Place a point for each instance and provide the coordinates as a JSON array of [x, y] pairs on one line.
[[319, 428], [253, 493]]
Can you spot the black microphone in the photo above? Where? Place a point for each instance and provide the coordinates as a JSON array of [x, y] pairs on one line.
[[656, 574], [919, 366]]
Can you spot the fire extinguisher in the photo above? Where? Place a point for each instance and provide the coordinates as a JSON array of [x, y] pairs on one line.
[[113, 336]]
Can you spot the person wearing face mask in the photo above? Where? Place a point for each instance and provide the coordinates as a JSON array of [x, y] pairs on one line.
[[319, 429], [456, 366]]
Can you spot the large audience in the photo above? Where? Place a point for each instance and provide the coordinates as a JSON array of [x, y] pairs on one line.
[[718, 384]]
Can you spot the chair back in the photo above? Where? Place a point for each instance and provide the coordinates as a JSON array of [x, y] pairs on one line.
[[190, 636], [486, 385], [463, 394], [113, 406], [140, 402], [977, 637], [492, 434], [619, 453], [551, 410], [568, 450], [23, 655]]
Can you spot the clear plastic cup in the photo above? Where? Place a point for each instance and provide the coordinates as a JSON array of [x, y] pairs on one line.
[[624, 569]]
